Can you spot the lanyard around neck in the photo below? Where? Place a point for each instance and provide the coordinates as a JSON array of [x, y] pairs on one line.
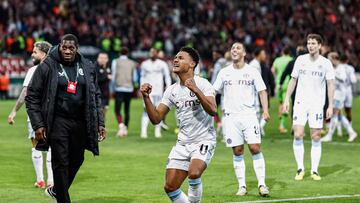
[[67, 77]]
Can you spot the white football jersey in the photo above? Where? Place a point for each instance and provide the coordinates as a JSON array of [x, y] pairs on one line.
[[311, 79], [155, 73], [350, 76], [240, 88], [340, 82], [195, 124], [29, 75]]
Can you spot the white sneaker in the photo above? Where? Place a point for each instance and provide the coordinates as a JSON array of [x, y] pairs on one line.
[[242, 191], [327, 138], [352, 136], [121, 131]]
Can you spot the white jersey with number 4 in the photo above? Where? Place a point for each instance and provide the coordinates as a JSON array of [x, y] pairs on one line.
[[311, 80], [240, 87], [155, 73], [194, 123]]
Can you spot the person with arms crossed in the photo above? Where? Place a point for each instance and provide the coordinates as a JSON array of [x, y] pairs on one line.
[[155, 72], [38, 55], [241, 84], [194, 99], [311, 73], [64, 106]]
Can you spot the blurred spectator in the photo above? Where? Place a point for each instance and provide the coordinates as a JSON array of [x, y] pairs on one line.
[[123, 78], [103, 77], [4, 85]]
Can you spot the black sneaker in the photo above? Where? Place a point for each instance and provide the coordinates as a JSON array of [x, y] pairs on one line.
[[50, 192]]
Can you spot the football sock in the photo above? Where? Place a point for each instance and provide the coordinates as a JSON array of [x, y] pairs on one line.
[[347, 125], [298, 146], [195, 190], [144, 123], [332, 126], [50, 179], [178, 196], [239, 167], [315, 155], [38, 164], [259, 167]]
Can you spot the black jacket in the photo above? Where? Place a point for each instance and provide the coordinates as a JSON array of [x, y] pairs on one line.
[[41, 96], [268, 79]]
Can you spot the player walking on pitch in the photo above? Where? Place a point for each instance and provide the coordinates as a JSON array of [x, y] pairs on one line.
[[194, 99], [38, 55], [243, 82], [310, 72]]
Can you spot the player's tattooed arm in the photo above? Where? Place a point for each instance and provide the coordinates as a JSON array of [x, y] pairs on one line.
[[156, 114], [20, 101], [207, 102]]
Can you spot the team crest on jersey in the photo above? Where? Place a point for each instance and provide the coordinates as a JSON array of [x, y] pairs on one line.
[[229, 141], [192, 94]]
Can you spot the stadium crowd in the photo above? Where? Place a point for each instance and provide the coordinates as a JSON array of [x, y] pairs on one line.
[[205, 24]]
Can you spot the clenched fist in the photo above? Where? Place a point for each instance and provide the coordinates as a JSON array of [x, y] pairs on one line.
[[145, 89], [190, 83]]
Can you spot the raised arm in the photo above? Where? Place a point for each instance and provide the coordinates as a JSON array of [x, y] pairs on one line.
[[207, 102], [156, 114]]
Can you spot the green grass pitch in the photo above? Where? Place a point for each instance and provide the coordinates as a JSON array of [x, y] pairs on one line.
[[132, 169]]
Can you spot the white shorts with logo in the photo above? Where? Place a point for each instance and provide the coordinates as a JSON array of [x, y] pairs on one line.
[[348, 99], [30, 130], [181, 155], [303, 114], [240, 128]]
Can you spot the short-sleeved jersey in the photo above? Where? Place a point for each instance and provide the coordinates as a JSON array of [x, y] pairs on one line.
[[195, 124], [240, 87], [340, 85], [256, 64], [28, 76], [311, 79], [155, 73]]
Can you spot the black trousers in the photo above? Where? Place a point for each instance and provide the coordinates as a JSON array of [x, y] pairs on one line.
[[123, 97], [67, 142]]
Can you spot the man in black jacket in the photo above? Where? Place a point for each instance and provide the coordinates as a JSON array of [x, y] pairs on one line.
[[64, 106]]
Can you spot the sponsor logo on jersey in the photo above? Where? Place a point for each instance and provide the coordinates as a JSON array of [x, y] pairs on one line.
[[187, 103], [61, 74], [239, 82]]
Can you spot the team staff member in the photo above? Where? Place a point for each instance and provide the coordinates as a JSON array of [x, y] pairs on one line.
[[64, 106]]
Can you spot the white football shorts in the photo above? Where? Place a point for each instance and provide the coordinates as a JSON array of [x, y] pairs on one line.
[[303, 114], [181, 155], [239, 128]]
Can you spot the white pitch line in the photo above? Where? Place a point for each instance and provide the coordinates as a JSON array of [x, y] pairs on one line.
[[301, 198]]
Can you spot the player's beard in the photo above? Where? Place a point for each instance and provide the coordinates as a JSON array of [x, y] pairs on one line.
[[36, 61]]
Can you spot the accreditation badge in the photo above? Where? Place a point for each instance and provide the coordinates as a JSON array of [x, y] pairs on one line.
[[71, 88]]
